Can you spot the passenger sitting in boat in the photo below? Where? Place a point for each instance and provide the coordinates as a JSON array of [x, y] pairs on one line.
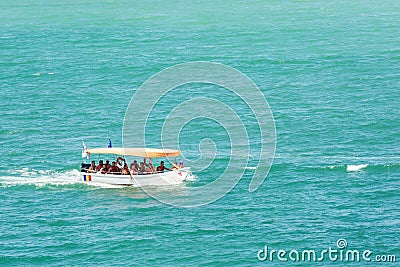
[[142, 168], [161, 168], [125, 169], [100, 166], [107, 165], [120, 162], [135, 164], [113, 169], [104, 170], [150, 168], [175, 166], [92, 167], [153, 169], [134, 169]]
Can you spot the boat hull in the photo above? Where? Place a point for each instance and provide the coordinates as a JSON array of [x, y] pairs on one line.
[[159, 179]]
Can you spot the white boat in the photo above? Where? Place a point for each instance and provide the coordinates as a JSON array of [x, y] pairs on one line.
[[172, 177]]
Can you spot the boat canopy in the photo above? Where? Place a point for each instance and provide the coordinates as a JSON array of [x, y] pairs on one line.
[[137, 152]]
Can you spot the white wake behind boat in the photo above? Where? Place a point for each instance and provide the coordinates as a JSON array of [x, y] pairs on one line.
[[172, 177]]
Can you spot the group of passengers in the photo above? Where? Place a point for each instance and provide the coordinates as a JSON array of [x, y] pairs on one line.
[[119, 166]]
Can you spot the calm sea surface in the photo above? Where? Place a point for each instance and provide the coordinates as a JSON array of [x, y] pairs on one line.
[[330, 71]]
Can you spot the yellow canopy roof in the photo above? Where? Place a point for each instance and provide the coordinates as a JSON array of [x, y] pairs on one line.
[[138, 152]]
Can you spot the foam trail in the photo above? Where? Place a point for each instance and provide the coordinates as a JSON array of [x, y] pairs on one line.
[[40, 178], [44, 178], [355, 168]]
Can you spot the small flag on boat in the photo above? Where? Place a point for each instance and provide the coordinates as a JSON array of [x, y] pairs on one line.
[[84, 153], [87, 178], [109, 143]]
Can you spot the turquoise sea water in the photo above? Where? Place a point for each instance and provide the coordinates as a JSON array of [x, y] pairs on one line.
[[329, 70]]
